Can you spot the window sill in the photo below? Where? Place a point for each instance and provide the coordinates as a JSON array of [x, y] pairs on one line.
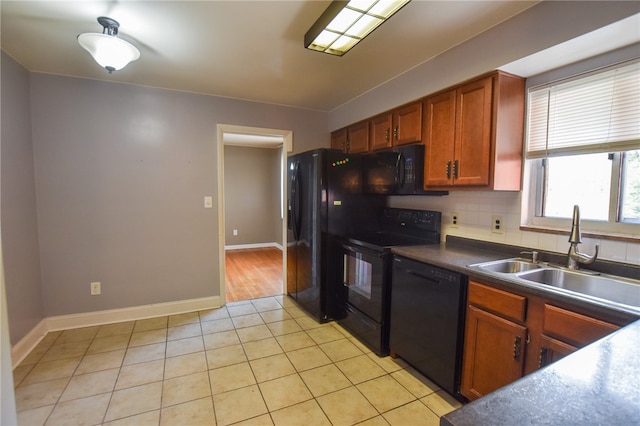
[[586, 234]]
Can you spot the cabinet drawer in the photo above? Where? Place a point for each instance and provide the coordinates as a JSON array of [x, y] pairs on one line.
[[501, 302], [574, 328]]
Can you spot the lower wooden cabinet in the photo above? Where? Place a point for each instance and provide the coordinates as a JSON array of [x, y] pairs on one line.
[[508, 335], [493, 353], [565, 331], [552, 350]]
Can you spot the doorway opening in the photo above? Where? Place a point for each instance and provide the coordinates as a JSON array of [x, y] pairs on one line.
[[251, 211]]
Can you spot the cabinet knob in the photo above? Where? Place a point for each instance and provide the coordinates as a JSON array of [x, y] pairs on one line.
[[395, 132], [386, 134], [448, 169], [455, 169]]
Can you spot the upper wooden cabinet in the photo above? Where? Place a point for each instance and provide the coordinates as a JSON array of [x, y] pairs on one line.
[[401, 126], [474, 134], [339, 139], [353, 139]]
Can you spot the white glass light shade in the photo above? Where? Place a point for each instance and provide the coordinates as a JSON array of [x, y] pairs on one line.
[[112, 53]]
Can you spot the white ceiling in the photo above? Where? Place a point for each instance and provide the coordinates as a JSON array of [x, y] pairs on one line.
[[250, 50]]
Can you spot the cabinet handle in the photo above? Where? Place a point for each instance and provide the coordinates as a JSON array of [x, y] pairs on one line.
[[516, 348], [386, 134], [455, 169], [542, 359], [395, 132], [448, 169]]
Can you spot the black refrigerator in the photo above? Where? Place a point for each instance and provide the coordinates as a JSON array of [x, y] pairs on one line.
[[325, 203]]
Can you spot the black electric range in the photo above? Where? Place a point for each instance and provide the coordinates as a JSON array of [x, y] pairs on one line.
[[364, 297]]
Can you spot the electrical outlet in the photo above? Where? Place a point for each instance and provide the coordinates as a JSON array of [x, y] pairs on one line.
[[235, 232], [455, 219], [96, 289], [497, 224]]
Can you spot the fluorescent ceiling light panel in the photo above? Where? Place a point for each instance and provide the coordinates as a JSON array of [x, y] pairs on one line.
[[344, 24]]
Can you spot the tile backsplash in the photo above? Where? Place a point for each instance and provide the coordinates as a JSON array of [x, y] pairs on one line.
[[476, 209]]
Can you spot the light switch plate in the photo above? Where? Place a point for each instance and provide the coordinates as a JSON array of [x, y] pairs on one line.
[[208, 202]]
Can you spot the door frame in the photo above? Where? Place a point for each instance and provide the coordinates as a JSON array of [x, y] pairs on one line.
[[287, 146]]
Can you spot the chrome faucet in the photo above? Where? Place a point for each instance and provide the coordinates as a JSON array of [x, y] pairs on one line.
[[574, 257]]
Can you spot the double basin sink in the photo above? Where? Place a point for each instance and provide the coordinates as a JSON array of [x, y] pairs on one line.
[[614, 289]]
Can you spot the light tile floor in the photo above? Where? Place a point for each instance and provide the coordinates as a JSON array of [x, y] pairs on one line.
[[255, 362]]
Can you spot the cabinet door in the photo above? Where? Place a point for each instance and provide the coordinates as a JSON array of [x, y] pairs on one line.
[[358, 138], [439, 136], [473, 133], [407, 124], [493, 353], [339, 139], [380, 131], [552, 350]]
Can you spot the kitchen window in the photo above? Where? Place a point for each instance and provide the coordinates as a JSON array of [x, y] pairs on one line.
[[583, 147]]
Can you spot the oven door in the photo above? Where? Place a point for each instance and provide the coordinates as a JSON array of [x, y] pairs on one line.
[[363, 279]]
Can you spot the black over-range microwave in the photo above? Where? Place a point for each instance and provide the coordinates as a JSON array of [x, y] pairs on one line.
[[395, 171]]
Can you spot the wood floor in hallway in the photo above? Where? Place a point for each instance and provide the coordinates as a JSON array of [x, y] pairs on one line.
[[253, 273]]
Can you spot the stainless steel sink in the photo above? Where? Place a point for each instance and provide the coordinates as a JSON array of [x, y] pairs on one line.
[[507, 266], [609, 288], [603, 287]]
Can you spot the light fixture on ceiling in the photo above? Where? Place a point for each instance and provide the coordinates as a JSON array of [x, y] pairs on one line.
[[345, 23], [111, 52]]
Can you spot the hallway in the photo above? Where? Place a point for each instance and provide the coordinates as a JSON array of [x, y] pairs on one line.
[[253, 273]]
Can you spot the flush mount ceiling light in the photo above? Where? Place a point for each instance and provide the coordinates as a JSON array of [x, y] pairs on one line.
[[111, 52], [345, 23]]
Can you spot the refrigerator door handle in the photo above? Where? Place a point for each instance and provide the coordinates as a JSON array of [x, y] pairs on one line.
[[297, 201], [291, 208], [345, 271]]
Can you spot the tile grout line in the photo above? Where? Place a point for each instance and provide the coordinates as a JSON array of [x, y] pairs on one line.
[[298, 320]]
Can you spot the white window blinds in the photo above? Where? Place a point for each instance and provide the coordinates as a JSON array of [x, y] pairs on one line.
[[598, 112]]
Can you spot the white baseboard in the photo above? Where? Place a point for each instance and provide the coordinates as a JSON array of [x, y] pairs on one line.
[[65, 322], [253, 246], [20, 350]]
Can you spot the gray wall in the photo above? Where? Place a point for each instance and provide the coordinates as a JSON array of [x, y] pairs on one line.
[[252, 195], [121, 172], [19, 223]]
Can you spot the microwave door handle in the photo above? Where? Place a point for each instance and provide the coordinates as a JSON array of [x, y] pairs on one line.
[[400, 173]]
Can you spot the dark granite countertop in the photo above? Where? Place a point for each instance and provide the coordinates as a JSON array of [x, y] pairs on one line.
[[458, 253], [597, 385]]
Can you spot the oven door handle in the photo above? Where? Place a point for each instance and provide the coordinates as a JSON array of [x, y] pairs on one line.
[[362, 250]]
